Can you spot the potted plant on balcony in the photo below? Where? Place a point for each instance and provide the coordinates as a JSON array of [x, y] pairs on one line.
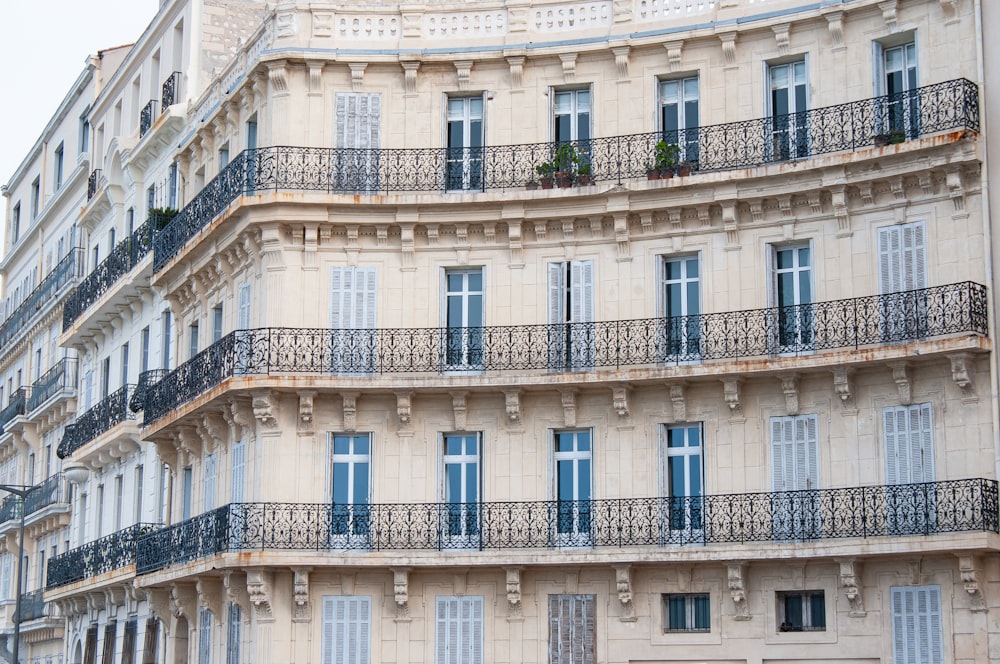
[[583, 175], [160, 217], [545, 171], [881, 140], [684, 168], [896, 136], [565, 161], [667, 155]]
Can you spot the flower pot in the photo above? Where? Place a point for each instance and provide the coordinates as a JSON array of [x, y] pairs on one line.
[[652, 174], [564, 179], [583, 179], [881, 141], [546, 182], [684, 169], [667, 173], [531, 186]]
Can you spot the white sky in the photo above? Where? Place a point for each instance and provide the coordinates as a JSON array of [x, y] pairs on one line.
[[45, 44]]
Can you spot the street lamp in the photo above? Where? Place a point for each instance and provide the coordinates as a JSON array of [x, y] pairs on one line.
[[21, 492]]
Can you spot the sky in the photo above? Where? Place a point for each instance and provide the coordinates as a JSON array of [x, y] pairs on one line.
[[46, 44]]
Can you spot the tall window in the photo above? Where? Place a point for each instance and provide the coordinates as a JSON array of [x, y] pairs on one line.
[[84, 139], [124, 364], [57, 167], [459, 632], [138, 495], [187, 486], [917, 635], [573, 477], [681, 308], [346, 630], [896, 80], [909, 460], [571, 117], [235, 618], [174, 184], [464, 313], [466, 138], [679, 115], [902, 276], [353, 299], [15, 222], [239, 461], [571, 315], [210, 472], [461, 479], [216, 323], [167, 332], [794, 474], [683, 480], [144, 350], [572, 620], [351, 478], [243, 313], [792, 274], [204, 636], [36, 198], [358, 127], [193, 339], [787, 106]]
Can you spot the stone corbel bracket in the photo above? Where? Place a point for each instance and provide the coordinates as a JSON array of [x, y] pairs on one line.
[[210, 595], [736, 581], [404, 406], [512, 576], [623, 586], [401, 592], [678, 400], [259, 590], [619, 400], [235, 584], [306, 406], [568, 398], [850, 583], [731, 394], [790, 387], [265, 408], [459, 408], [184, 601], [963, 373], [512, 403], [901, 376], [350, 410], [302, 609], [843, 379], [968, 567]]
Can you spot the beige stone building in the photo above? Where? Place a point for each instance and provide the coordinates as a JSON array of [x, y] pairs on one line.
[[613, 331]]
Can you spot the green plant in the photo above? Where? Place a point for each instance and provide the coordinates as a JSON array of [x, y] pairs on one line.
[[160, 217], [545, 169], [583, 169], [667, 154], [566, 158], [897, 135]]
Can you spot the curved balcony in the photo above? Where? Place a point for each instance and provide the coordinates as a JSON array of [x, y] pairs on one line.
[[878, 319], [109, 412], [46, 506], [107, 554], [45, 294], [126, 255], [32, 606], [93, 183], [952, 105], [170, 91], [146, 117], [903, 510], [15, 408], [61, 377]]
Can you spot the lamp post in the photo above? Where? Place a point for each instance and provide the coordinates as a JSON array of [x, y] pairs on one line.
[[21, 492]]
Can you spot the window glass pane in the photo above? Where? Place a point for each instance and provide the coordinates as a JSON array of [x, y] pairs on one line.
[[691, 88], [673, 269], [563, 102], [360, 483], [793, 610], [475, 311], [583, 440], [455, 281], [340, 483], [565, 472], [784, 258], [675, 472], [475, 281], [476, 107], [564, 442], [455, 312], [804, 257], [453, 478], [361, 445], [341, 445], [582, 101], [702, 612], [455, 108], [669, 91], [583, 491], [694, 469], [677, 611], [471, 483], [583, 126], [453, 445], [818, 610]]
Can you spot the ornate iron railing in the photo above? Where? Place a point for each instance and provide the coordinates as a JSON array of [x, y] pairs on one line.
[[61, 376], [93, 182], [15, 407], [111, 411], [876, 511], [146, 117], [10, 508], [170, 92], [950, 105], [49, 492], [32, 606], [66, 270], [876, 319], [146, 379], [125, 256], [106, 554]]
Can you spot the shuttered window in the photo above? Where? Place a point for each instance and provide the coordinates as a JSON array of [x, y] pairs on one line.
[[243, 313], [210, 465], [359, 120], [916, 625], [571, 629], [233, 634], [90, 649], [571, 306], [110, 634], [459, 635], [204, 636], [128, 641], [902, 257], [353, 299], [794, 453], [151, 643], [239, 454], [909, 444], [346, 630]]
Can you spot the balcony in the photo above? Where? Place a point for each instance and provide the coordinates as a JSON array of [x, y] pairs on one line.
[[170, 92], [66, 271], [61, 377], [111, 411], [904, 510], [15, 408], [32, 606], [45, 507], [894, 318], [126, 255], [948, 106], [146, 117], [46, 494], [110, 553], [146, 380], [93, 183]]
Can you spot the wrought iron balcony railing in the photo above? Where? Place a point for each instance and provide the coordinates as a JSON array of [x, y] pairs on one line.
[[146, 117], [106, 554], [126, 255], [950, 105], [15, 407], [853, 512], [876, 319], [146, 379], [10, 508], [170, 92], [32, 606], [93, 182], [111, 411], [62, 376], [51, 491], [66, 270]]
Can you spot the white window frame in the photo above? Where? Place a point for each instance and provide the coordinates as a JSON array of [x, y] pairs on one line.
[[917, 634], [582, 646], [686, 520], [356, 528], [574, 112], [466, 513], [682, 332], [580, 516], [347, 623], [796, 515], [807, 619], [458, 635], [796, 145], [571, 303], [467, 157], [470, 343], [798, 335]]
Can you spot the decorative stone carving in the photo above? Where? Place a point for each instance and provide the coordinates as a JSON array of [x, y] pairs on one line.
[[901, 376], [464, 70], [300, 594], [401, 591], [410, 68], [623, 586], [357, 75], [674, 51], [842, 377], [835, 24], [969, 569], [950, 8], [850, 582], [728, 40], [619, 400], [404, 406], [277, 78], [259, 590], [963, 373], [889, 14], [677, 399], [867, 193], [183, 601], [306, 398], [736, 578], [210, 595], [159, 602], [568, 66], [516, 64], [350, 410], [838, 197], [568, 398], [790, 387], [956, 190], [513, 579], [512, 404], [459, 408], [235, 584], [621, 61], [263, 408], [731, 393], [781, 35]]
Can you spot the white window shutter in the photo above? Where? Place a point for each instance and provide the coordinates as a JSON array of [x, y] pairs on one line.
[[329, 625], [921, 443], [337, 296], [916, 625], [340, 112], [208, 484], [204, 636], [367, 297], [891, 434], [914, 257], [346, 630], [779, 475], [889, 243], [233, 634], [475, 631], [557, 293], [245, 295], [374, 120], [363, 631], [811, 444], [239, 452]]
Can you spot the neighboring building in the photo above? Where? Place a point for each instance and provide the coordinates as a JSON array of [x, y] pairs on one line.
[[372, 395]]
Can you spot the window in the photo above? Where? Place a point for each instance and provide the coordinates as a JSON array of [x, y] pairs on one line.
[[239, 459], [105, 377], [204, 636], [683, 482], [465, 143], [223, 156], [796, 510], [100, 511], [459, 632], [679, 115], [916, 625], [351, 478], [112, 240], [36, 198], [119, 502], [909, 460], [353, 298], [186, 487], [166, 325], [110, 636], [896, 81], [57, 175], [346, 630], [572, 620], [137, 497], [682, 308], [95, 257], [124, 364], [792, 270], [802, 611], [193, 339], [902, 278], [128, 641], [243, 315], [233, 634], [464, 318], [251, 157], [150, 199], [358, 125], [787, 103], [82, 514], [571, 117], [216, 323], [144, 350], [130, 221], [688, 612], [461, 480], [573, 458], [151, 642], [571, 313], [15, 222], [84, 138], [209, 470]]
